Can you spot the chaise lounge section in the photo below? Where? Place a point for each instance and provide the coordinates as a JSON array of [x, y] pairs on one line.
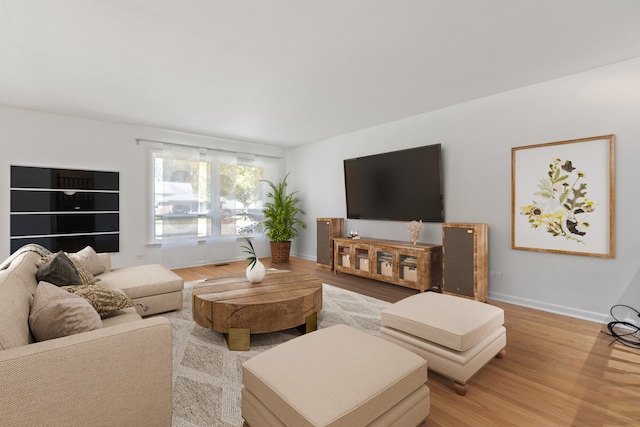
[[150, 285]]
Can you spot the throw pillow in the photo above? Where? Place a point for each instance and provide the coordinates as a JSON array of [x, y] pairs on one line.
[[89, 260], [56, 313], [58, 270], [86, 278], [104, 300]]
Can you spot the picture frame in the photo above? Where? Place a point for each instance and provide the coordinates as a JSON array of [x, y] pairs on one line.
[[563, 197]]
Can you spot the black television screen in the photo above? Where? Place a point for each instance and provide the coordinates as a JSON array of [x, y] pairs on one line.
[[403, 185]]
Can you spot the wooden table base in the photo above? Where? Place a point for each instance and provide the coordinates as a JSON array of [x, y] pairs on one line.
[[239, 339]]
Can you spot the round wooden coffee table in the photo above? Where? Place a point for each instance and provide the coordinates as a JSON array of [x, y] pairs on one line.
[[237, 308]]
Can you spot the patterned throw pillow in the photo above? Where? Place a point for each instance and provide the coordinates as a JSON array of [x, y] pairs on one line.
[[58, 270], [104, 300], [86, 278]]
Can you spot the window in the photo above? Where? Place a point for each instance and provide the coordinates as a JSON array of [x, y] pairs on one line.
[[240, 199], [202, 194], [182, 197]]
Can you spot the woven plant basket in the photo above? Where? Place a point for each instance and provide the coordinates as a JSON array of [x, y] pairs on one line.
[[280, 251]]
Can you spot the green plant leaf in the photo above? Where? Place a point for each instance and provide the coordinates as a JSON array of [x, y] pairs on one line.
[[249, 250], [280, 223]]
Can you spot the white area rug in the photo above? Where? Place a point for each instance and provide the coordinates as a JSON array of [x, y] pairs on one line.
[[207, 377]]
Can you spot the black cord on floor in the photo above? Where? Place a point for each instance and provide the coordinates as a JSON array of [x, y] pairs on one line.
[[626, 333]]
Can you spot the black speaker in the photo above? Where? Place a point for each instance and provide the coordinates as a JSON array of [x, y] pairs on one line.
[[327, 229], [465, 260]]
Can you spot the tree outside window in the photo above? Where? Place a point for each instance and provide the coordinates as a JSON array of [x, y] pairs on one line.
[[240, 199], [182, 198]]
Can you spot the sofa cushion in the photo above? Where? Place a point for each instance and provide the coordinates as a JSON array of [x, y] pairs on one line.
[[104, 300], [121, 317], [17, 286], [142, 280], [89, 260], [58, 270], [454, 322], [333, 376], [105, 258], [57, 313], [14, 311]]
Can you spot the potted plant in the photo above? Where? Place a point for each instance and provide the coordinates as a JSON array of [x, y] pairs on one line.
[[280, 223], [255, 270]]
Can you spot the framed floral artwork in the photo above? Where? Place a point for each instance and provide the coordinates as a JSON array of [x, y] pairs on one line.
[[563, 197]]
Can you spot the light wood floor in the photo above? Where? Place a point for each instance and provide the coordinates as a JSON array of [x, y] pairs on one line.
[[558, 371]]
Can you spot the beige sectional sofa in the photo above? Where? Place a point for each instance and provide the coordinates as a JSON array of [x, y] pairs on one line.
[[151, 284], [118, 374]]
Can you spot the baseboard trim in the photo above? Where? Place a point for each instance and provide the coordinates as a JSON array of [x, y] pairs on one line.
[[551, 308], [307, 257], [590, 316]]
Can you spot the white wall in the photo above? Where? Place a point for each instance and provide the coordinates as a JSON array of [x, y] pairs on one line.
[[477, 138], [31, 138]]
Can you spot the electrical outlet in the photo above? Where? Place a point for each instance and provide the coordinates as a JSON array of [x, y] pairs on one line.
[[496, 275], [140, 257]]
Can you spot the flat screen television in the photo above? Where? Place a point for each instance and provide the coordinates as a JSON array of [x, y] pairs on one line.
[[402, 185]]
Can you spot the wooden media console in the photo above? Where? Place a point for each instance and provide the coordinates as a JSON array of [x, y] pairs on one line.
[[401, 263]]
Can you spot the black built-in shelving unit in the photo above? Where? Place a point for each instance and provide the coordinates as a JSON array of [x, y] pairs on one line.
[[65, 209]]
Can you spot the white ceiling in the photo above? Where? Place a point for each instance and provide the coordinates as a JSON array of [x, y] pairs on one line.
[[289, 72]]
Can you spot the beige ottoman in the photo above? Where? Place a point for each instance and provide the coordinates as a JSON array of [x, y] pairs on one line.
[[337, 376], [456, 336]]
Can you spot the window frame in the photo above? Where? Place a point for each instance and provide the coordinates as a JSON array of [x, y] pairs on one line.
[[272, 168], [154, 155]]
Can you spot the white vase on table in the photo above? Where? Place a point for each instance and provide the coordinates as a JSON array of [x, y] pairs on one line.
[[256, 273]]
